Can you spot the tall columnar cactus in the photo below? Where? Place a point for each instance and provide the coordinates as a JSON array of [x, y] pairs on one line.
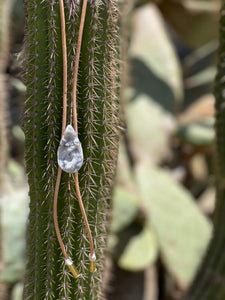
[[210, 280], [5, 7], [47, 277], [4, 42]]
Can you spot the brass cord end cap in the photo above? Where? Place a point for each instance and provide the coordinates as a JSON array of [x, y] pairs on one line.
[[72, 267], [92, 259]]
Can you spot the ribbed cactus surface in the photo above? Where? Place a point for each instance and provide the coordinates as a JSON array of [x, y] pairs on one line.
[[47, 277]]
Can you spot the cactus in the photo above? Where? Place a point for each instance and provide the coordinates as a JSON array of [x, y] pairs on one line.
[[47, 277], [209, 282], [4, 41], [5, 7]]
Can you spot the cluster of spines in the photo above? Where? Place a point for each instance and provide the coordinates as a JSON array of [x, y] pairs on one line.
[[97, 104]]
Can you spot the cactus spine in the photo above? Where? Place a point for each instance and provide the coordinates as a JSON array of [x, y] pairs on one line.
[[47, 277]]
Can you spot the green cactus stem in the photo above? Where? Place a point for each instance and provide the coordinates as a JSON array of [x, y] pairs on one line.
[[47, 276], [5, 7]]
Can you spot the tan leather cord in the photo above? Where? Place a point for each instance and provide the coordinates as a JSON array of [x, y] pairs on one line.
[[64, 52], [59, 173], [84, 214], [75, 123], [64, 117], [76, 64], [55, 213]]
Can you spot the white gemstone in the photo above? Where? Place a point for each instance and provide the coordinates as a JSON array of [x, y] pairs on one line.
[[70, 153]]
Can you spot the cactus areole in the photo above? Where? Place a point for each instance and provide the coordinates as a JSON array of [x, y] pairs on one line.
[[95, 117]]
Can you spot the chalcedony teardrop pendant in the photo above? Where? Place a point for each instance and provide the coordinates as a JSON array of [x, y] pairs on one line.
[[70, 153]]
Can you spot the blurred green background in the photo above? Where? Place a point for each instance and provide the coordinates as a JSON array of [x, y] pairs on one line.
[[164, 194]]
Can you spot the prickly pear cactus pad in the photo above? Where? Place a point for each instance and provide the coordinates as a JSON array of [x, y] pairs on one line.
[[47, 276]]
